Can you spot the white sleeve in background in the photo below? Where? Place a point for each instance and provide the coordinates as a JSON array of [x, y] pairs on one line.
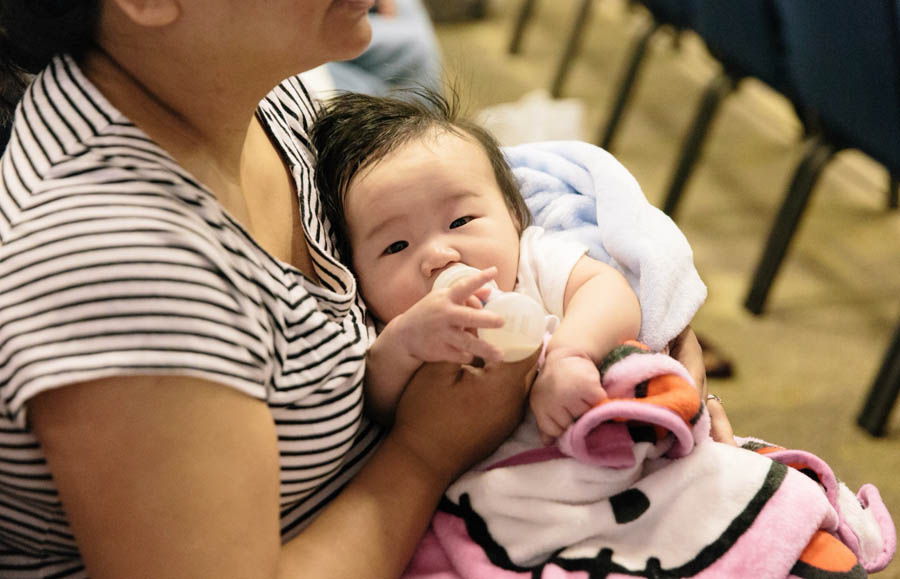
[[545, 264]]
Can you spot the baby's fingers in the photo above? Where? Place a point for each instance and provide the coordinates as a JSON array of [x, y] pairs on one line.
[[468, 342], [457, 356], [474, 302], [578, 407], [551, 427], [467, 317], [481, 295], [465, 287]]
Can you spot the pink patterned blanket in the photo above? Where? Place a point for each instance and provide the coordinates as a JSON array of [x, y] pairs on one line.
[[636, 488]]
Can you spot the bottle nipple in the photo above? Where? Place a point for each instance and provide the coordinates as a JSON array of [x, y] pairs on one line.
[[456, 272]]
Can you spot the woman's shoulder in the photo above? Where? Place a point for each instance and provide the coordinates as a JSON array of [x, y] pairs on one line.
[[117, 208], [73, 155], [287, 113], [120, 183]]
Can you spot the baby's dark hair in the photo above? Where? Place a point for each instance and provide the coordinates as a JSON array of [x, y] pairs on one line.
[[32, 32], [355, 131]]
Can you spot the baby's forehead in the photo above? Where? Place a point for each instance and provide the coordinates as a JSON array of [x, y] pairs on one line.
[[433, 138], [436, 135]]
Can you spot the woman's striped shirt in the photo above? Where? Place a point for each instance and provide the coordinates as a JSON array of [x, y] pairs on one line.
[[114, 260]]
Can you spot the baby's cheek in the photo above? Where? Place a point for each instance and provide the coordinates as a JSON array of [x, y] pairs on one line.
[[390, 298], [506, 276], [375, 299]]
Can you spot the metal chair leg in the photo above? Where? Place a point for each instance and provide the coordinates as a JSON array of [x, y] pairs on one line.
[[626, 86], [515, 44], [884, 392], [817, 156], [716, 91], [573, 44], [894, 192]]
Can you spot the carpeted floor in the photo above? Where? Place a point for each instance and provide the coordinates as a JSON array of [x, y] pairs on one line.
[[802, 368]]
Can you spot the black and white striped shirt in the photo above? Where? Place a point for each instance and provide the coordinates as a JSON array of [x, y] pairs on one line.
[[114, 261]]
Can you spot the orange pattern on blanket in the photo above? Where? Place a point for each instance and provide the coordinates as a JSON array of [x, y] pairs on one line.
[[771, 449], [675, 393], [637, 344], [669, 391], [826, 552]]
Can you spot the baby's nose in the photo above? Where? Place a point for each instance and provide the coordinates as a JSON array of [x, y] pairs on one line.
[[437, 257]]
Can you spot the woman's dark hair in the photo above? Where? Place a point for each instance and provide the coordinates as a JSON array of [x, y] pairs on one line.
[[355, 131], [32, 32]]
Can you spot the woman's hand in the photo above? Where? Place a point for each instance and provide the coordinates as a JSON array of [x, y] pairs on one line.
[[447, 419], [721, 427], [452, 416], [686, 349]]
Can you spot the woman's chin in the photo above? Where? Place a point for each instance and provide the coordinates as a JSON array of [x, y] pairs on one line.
[[351, 33], [354, 5]]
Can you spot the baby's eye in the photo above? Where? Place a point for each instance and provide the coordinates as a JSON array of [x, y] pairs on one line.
[[461, 221], [396, 247]]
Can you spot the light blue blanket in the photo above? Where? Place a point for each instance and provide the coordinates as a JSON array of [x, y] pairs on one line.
[[580, 190]]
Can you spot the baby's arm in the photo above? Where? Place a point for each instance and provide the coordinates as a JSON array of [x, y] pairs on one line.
[[601, 311], [438, 328]]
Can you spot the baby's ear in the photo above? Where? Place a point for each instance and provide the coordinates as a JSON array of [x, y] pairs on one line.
[[150, 13]]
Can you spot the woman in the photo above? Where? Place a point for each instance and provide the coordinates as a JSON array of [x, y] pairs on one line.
[[404, 52], [181, 351]]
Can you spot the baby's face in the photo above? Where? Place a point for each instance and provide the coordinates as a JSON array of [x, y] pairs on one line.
[[429, 204]]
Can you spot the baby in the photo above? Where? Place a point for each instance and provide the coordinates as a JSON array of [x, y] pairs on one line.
[[412, 189]]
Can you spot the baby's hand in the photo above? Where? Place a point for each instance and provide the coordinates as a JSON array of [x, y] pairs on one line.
[[441, 326], [567, 386]]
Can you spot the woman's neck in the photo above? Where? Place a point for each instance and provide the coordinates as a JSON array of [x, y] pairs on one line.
[[195, 115]]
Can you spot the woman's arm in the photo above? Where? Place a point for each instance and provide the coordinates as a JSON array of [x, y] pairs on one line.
[[389, 366], [164, 476], [179, 477], [447, 420]]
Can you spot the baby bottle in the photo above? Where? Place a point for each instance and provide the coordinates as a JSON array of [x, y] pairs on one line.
[[523, 329]]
